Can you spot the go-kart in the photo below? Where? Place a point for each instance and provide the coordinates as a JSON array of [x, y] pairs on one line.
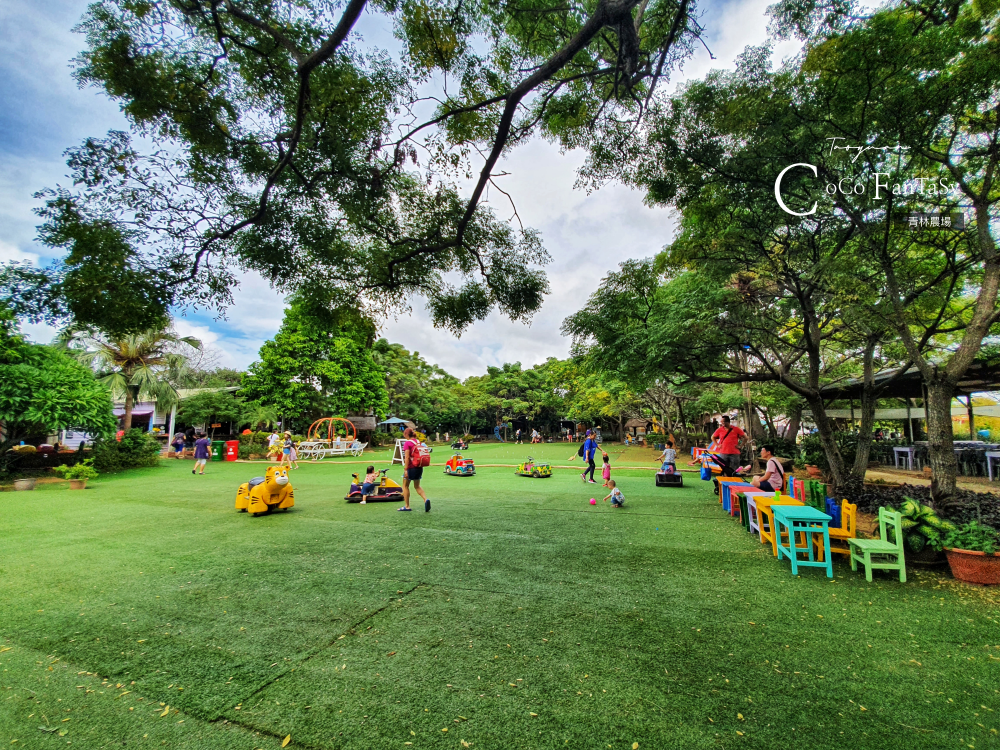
[[532, 469], [264, 494], [386, 489], [669, 478], [459, 466], [460, 445]]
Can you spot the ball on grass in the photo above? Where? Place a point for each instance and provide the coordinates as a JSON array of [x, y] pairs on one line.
[[593, 501]]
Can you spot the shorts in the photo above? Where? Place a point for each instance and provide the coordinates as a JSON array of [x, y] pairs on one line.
[[367, 488], [287, 451], [414, 473], [200, 461], [732, 460], [616, 504], [766, 487]]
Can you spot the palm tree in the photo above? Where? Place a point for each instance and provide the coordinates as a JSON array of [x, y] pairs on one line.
[[134, 367]]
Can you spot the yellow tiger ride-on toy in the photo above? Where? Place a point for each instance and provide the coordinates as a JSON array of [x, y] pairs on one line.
[[264, 494], [532, 469], [459, 466]]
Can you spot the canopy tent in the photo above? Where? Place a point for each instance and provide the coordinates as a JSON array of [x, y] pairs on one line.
[[394, 422]]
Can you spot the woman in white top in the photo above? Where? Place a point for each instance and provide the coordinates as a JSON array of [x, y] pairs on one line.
[[774, 476]]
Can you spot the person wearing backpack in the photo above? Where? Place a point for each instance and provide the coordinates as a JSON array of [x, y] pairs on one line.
[[414, 461], [774, 475]]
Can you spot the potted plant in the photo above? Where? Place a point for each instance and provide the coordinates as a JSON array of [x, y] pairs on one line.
[[78, 474], [972, 553], [923, 532]]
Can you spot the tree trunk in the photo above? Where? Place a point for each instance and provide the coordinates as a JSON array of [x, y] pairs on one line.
[[129, 404], [824, 426], [940, 443], [794, 422], [867, 414]]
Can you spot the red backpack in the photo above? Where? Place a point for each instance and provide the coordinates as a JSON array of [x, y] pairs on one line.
[[418, 458]]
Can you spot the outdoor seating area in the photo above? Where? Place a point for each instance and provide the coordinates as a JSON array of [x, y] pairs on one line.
[[797, 526]]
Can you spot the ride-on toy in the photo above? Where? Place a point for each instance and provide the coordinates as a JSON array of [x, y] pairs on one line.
[[531, 469], [458, 466], [264, 494], [385, 490], [671, 479]]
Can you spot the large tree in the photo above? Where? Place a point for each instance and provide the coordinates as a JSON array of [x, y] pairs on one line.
[[317, 366], [273, 138], [42, 390]]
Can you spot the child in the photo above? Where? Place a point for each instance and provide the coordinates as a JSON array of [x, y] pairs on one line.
[[669, 458], [368, 488], [617, 499], [606, 469]]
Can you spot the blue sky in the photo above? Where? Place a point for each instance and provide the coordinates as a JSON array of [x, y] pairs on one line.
[[43, 112]]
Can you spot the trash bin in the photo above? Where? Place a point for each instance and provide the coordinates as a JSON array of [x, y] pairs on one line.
[[232, 450], [218, 450]]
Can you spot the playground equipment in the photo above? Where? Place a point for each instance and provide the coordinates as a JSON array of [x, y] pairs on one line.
[[386, 489], [496, 432], [398, 452], [264, 494], [531, 469], [666, 478], [459, 466], [323, 439]]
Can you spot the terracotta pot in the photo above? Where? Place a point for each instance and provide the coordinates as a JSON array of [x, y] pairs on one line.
[[24, 484], [78, 484], [814, 471], [974, 567]]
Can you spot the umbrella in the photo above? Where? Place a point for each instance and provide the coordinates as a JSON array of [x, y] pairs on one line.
[[393, 420]]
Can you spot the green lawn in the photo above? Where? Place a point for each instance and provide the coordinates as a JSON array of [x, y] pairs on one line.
[[514, 615]]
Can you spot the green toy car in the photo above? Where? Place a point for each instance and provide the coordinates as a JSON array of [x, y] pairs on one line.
[[532, 469]]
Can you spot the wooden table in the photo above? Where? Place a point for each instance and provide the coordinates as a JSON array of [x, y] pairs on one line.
[[766, 514], [807, 521]]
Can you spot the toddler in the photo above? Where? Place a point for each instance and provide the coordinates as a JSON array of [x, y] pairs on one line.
[[368, 487], [606, 469], [617, 499]]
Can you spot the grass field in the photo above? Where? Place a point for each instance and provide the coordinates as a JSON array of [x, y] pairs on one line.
[[146, 612]]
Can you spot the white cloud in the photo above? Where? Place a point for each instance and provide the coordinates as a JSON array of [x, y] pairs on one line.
[[9, 252]]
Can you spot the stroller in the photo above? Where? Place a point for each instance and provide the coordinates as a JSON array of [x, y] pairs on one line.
[[724, 469]]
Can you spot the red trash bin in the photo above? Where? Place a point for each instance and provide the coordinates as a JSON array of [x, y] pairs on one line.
[[232, 450]]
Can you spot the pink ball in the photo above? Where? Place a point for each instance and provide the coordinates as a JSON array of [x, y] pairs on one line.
[[593, 501]]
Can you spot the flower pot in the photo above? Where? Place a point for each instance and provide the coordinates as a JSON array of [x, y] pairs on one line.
[[78, 484], [974, 567], [814, 471], [24, 484]]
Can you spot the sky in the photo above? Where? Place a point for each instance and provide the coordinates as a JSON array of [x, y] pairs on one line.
[[43, 112]]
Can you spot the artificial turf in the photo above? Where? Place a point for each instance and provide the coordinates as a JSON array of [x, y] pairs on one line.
[[514, 615]]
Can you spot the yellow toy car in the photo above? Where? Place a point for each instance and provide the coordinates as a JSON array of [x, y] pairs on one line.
[[264, 494], [532, 469]]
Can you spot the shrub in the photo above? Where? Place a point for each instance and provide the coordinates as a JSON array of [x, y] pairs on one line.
[[136, 449], [81, 470], [975, 537], [922, 527], [253, 444]]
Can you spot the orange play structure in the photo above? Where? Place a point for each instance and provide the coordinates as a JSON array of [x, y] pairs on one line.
[[325, 430]]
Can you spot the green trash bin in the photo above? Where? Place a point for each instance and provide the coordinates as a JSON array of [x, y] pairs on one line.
[[218, 450]]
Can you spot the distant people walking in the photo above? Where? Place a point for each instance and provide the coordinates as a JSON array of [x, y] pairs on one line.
[[178, 445], [517, 436], [202, 446], [189, 439], [411, 472]]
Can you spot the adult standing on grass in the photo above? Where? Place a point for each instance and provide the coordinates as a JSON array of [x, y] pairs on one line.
[[589, 449], [202, 446], [411, 473], [726, 442]]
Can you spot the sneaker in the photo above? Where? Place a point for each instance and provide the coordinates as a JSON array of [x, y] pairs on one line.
[[591, 481], [404, 508], [427, 505], [583, 477], [362, 503], [192, 471]]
